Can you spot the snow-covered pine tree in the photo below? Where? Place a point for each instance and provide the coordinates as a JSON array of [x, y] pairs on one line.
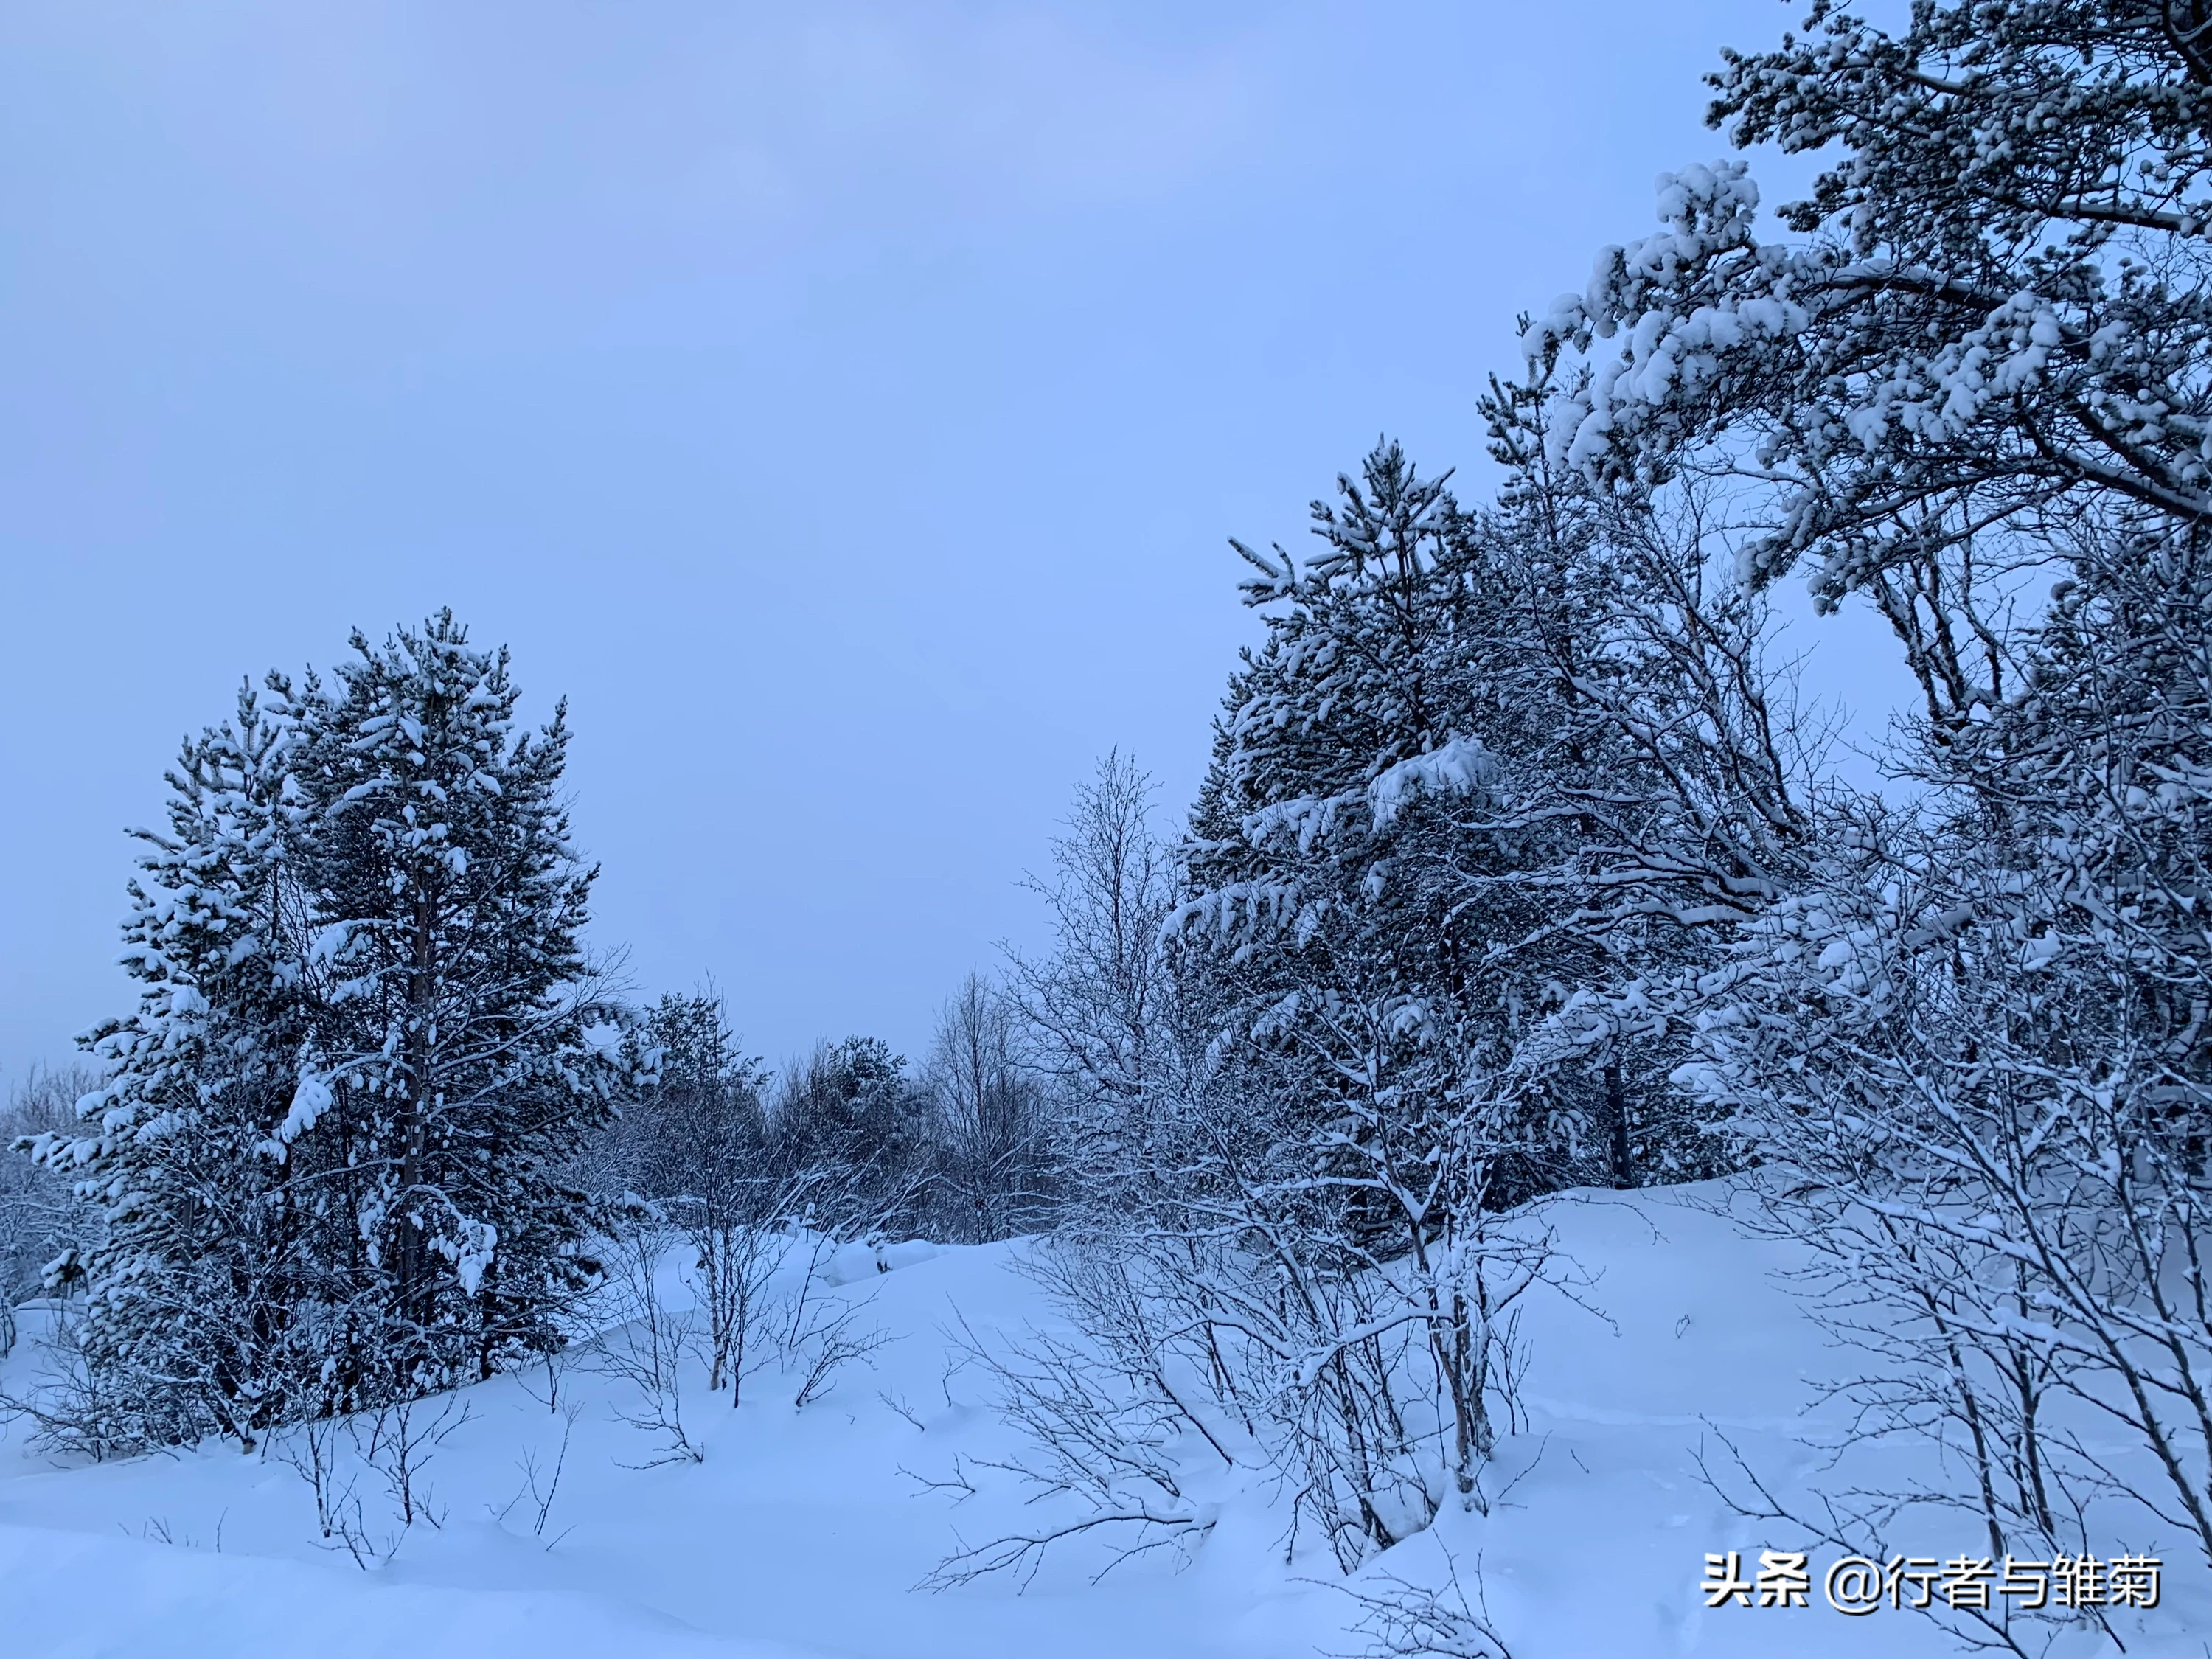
[[1373, 957], [1359, 920], [207, 1298], [700, 1125], [1528, 760], [332, 1154], [462, 1051]]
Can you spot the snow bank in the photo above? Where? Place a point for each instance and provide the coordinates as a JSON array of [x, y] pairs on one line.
[[99, 1596], [802, 1532]]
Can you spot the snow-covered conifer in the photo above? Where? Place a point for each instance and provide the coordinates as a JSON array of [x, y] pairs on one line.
[[203, 1298], [332, 1153], [460, 1048]]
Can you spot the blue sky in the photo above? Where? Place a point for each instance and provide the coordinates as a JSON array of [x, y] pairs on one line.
[[844, 406]]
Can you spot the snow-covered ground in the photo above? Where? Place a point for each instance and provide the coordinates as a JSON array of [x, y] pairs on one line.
[[803, 1533]]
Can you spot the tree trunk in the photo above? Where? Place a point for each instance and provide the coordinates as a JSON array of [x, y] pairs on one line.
[[1616, 1113], [413, 1253]]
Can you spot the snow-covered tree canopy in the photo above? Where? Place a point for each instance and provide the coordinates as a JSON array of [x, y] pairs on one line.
[[1992, 342]]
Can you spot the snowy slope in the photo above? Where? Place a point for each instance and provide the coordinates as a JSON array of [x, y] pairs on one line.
[[802, 1534]]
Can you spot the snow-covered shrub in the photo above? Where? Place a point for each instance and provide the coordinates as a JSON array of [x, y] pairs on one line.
[[1975, 1054], [1972, 1041], [1486, 779]]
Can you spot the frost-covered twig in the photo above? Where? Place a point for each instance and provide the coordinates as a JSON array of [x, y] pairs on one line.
[[646, 1348], [400, 1442], [315, 1451], [1403, 1620], [830, 1342], [541, 1484], [1098, 1443]]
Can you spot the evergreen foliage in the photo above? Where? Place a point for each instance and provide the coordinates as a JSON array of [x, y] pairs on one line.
[[332, 1153]]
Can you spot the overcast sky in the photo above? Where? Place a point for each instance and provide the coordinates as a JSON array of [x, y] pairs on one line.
[[844, 406]]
